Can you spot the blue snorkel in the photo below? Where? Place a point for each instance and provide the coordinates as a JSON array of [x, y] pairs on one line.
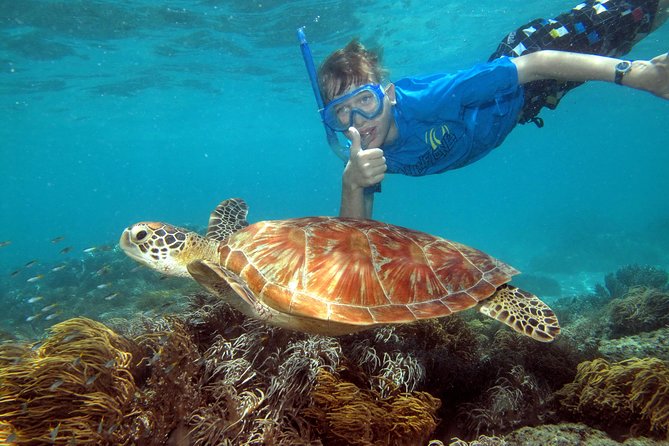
[[341, 151]]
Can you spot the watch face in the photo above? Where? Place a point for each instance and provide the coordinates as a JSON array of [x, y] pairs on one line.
[[624, 66]]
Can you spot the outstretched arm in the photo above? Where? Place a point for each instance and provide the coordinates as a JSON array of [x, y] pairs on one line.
[[651, 76], [364, 168]]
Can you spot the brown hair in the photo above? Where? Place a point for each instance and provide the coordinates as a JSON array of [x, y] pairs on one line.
[[351, 65]]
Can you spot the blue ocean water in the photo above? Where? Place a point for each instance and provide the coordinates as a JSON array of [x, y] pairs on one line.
[[114, 112]]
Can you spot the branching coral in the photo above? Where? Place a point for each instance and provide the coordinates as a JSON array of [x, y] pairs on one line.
[[631, 395], [345, 414], [77, 385]]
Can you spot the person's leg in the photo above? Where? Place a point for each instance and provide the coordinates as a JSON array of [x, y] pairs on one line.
[[607, 28]]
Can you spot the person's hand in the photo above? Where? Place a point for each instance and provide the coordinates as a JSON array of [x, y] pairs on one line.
[[652, 76], [365, 167]]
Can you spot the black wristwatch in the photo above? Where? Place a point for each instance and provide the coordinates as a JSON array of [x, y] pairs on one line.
[[622, 69]]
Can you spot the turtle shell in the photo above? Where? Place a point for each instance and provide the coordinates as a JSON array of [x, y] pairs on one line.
[[359, 272]]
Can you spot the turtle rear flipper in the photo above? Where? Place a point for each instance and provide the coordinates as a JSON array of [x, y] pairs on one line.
[[522, 311]]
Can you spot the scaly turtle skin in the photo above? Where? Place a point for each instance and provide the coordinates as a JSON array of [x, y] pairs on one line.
[[333, 276]]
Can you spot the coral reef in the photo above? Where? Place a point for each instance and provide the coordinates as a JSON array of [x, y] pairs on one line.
[[568, 434], [345, 414], [639, 309], [618, 283], [654, 343], [77, 384], [630, 397]]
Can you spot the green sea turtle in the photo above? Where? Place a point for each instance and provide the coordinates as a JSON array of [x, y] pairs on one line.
[[334, 276]]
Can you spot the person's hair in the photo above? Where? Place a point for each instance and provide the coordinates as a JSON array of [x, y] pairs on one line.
[[349, 66]]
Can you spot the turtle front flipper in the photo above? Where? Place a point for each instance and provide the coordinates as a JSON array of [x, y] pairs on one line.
[[522, 311], [226, 285], [228, 218]]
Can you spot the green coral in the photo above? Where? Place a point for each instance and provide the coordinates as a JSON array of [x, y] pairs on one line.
[[627, 397]]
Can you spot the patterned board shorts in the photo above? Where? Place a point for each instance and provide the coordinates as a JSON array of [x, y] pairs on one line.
[[604, 27]]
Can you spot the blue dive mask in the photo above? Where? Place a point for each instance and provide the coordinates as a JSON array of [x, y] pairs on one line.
[[366, 101]]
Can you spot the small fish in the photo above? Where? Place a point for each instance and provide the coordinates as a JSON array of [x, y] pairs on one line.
[[91, 249], [60, 238], [5, 243], [104, 270], [30, 264], [111, 296], [59, 267], [76, 362], [33, 317], [137, 268], [14, 273], [35, 278], [91, 379], [102, 286], [32, 300], [12, 438], [56, 384], [49, 307], [169, 368], [156, 357], [52, 316], [111, 363], [66, 249], [71, 337], [54, 433]]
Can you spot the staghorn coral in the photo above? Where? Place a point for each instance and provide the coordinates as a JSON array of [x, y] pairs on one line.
[[77, 385], [343, 413], [627, 397], [640, 309]]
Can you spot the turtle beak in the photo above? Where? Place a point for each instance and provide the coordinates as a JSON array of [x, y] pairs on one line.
[[130, 249]]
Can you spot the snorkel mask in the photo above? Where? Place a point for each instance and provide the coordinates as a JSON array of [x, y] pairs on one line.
[[366, 101], [333, 140]]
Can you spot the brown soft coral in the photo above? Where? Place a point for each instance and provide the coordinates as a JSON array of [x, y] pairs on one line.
[[627, 397], [640, 309], [346, 414], [77, 384]]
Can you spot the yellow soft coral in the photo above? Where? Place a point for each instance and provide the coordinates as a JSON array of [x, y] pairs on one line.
[[633, 394], [75, 386], [346, 414]]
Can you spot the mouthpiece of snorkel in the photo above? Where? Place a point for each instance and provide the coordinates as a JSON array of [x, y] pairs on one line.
[[340, 150]]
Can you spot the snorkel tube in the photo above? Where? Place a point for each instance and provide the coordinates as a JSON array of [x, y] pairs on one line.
[[339, 150]]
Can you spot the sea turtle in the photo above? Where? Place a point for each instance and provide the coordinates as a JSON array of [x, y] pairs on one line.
[[333, 276]]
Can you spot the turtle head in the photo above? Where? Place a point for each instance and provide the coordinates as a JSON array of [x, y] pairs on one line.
[[166, 248]]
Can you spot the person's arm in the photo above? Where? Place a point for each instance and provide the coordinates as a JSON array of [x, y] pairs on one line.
[[651, 76], [364, 168]]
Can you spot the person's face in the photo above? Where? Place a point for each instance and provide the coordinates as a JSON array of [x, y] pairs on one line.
[[375, 132], [368, 108]]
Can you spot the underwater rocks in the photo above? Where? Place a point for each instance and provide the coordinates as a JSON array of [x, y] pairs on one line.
[[649, 344]]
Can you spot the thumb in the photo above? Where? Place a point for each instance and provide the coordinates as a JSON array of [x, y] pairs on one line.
[[354, 136]]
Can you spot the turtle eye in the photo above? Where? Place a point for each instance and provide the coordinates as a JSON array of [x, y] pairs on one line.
[[141, 235]]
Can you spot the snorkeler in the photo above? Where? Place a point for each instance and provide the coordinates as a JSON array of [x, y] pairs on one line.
[[430, 124]]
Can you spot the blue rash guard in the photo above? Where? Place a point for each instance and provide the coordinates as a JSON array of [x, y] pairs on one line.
[[446, 121]]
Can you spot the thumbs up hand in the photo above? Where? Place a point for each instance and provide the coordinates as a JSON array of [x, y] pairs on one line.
[[365, 167]]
